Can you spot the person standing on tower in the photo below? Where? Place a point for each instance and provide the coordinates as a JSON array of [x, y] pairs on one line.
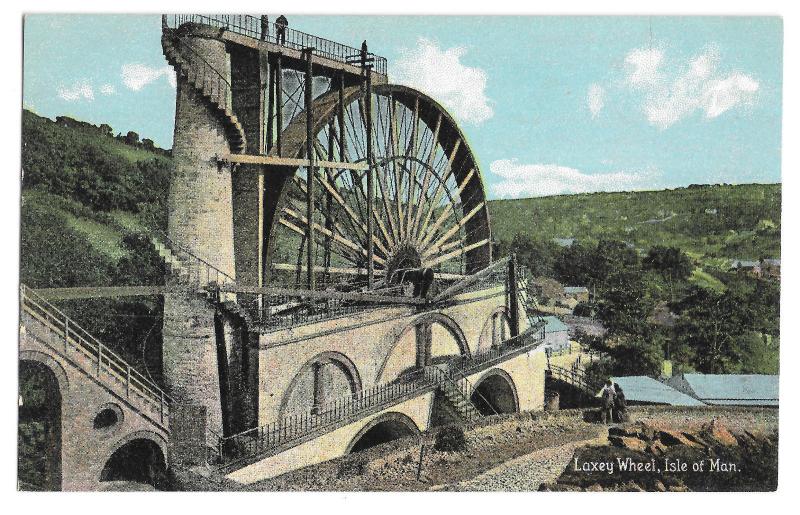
[[280, 29], [364, 54], [264, 27]]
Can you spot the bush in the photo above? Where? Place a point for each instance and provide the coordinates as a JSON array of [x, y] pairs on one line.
[[450, 439]]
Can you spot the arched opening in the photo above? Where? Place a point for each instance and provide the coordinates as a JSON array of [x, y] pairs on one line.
[[138, 461], [387, 427], [39, 430], [107, 418], [323, 379], [431, 339], [496, 329], [495, 394]]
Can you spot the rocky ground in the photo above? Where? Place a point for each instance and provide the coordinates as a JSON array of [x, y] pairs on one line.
[[735, 451], [531, 451]]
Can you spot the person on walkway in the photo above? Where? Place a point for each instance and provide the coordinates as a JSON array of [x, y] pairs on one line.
[[608, 395], [264, 27], [364, 54], [280, 29], [620, 404]]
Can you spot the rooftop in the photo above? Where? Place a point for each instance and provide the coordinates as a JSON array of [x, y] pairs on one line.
[[647, 389], [730, 389], [554, 325]]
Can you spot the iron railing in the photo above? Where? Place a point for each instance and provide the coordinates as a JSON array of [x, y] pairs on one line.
[[200, 270], [251, 26], [293, 428], [97, 359], [575, 377], [219, 87]]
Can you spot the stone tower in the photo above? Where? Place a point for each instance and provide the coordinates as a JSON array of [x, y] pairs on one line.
[[200, 221]]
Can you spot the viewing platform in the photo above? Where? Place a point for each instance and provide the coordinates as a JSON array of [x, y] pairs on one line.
[[246, 30]]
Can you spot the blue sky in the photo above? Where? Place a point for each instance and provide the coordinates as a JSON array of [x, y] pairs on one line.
[[550, 104]]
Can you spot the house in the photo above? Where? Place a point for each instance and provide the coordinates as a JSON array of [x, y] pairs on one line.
[[729, 389], [556, 334], [662, 316], [646, 390], [564, 242], [584, 325], [579, 293], [771, 268], [749, 267]]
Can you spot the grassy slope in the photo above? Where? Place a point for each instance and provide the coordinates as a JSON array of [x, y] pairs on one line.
[[746, 224]]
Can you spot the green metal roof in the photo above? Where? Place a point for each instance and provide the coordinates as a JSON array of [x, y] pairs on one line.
[[554, 325]]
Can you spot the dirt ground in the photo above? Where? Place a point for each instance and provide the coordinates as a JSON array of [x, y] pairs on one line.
[[512, 452]]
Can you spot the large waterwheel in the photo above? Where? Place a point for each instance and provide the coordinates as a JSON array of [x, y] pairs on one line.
[[429, 205]]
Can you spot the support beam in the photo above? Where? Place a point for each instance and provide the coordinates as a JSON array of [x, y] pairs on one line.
[[370, 183], [310, 155], [513, 296], [315, 294], [288, 162], [279, 103], [96, 292]]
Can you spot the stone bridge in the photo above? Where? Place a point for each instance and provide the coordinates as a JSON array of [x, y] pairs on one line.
[[105, 422]]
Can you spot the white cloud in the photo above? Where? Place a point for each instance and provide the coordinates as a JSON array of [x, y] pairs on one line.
[[536, 180], [440, 74], [135, 76], [642, 65], [108, 89], [672, 95], [595, 99], [78, 91]]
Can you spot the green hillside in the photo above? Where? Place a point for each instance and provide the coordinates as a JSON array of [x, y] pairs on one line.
[[87, 194], [716, 221]]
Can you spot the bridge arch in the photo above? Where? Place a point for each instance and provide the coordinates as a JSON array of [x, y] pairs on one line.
[[496, 329], [42, 388], [139, 457], [324, 377], [495, 392], [430, 338], [381, 429]]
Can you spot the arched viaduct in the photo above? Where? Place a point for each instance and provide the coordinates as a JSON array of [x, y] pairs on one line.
[[104, 422]]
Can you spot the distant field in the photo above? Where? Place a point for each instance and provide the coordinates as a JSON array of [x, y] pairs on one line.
[[708, 222]]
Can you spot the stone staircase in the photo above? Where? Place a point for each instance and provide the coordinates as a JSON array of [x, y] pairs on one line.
[[454, 392], [173, 263], [210, 84]]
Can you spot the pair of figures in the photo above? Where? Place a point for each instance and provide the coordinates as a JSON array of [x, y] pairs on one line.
[[280, 28], [615, 406]]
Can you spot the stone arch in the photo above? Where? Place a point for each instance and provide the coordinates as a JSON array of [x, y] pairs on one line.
[[300, 382], [494, 392], [410, 337], [381, 429], [140, 457], [492, 332], [40, 425], [53, 364]]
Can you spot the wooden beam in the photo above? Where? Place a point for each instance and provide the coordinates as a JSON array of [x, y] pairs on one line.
[[94, 292], [289, 162], [355, 296]]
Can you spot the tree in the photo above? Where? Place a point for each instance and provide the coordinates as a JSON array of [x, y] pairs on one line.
[[624, 303], [132, 138], [710, 324], [671, 262]]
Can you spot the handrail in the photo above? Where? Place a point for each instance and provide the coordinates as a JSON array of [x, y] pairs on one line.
[[251, 26], [574, 377], [177, 247], [294, 427], [204, 61], [103, 358]]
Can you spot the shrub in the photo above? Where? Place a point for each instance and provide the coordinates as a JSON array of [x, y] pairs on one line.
[[450, 439]]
